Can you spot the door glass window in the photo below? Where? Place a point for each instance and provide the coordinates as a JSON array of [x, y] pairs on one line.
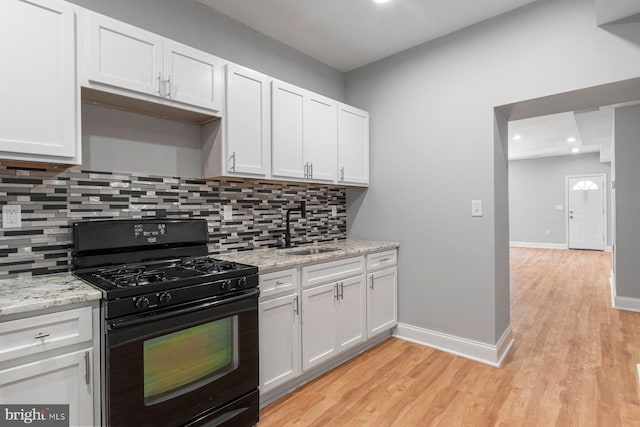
[[585, 185], [182, 361]]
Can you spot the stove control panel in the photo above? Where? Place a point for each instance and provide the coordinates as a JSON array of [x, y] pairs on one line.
[[149, 231]]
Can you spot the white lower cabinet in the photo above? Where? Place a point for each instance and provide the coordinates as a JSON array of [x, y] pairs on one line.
[[279, 341], [319, 322], [352, 314], [64, 379], [333, 319], [382, 312], [312, 314], [48, 359]]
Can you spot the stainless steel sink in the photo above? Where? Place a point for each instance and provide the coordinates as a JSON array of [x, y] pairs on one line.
[[311, 251]]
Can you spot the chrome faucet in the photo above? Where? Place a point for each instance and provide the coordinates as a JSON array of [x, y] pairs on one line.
[[303, 214]]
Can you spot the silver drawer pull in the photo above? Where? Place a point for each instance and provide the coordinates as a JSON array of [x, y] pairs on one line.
[[384, 260], [279, 284], [41, 335]]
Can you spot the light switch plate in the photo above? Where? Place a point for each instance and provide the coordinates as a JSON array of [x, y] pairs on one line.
[[11, 216], [476, 208], [227, 213]]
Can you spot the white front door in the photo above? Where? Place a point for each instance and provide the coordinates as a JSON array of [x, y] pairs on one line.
[[586, 212]]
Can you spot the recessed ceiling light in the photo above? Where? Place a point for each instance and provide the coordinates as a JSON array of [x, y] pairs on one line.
[[517, 137], [575, 150], [380, 1], [571, 139]]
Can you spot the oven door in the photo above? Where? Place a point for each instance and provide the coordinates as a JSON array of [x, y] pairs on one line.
[[171, 367]]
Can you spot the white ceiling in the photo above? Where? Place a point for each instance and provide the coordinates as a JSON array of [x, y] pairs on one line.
[[347, 34], [548, 135]]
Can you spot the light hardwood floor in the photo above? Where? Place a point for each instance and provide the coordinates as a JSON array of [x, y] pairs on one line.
[[573, 364]]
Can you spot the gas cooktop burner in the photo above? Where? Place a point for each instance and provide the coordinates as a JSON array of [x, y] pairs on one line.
[[125, 277], [206, 265]]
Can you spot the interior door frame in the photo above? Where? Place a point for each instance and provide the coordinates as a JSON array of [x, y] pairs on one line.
[[604, 205]]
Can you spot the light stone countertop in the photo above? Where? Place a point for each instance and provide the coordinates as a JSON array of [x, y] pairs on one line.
[[24, 294], [275, 259]]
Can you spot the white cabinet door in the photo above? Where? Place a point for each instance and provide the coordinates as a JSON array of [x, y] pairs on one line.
[[192, 76], [279, 341], [124, 56], [318, 325], [37, 81], [320, 137], [287, 155], [247, 121], [352, 308], [382, 312], [64, 379], [353, 145]]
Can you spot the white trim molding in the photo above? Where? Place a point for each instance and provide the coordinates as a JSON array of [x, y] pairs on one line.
[[622, 303], [537, 245], [485, 353], [608, 248]]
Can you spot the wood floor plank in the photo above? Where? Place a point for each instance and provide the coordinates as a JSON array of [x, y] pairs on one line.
[[573, 364]]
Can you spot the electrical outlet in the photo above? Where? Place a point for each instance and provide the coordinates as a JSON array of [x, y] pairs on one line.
[[476, 208], [11, 216]]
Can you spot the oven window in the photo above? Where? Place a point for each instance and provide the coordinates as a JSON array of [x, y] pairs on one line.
[[177, 363]]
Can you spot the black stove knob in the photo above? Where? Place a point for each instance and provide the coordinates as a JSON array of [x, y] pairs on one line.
[[142, 303], [164, 298], [242, 282], [226, 285]]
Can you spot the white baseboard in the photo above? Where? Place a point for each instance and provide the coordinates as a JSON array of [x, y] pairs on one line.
[[627, 303], [537, 245], [486, 353], [622, 303]]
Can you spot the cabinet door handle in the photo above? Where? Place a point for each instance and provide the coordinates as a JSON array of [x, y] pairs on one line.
[[342, 290], [87, 368], [233, 161], [160, 85], [296, 307], [336, 292], [41, 335], [342, 173], [311, 170], [169, 86], [371, 282], [306, 170]]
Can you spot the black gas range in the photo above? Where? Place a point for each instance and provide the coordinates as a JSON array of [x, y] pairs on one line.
[[180, 329]]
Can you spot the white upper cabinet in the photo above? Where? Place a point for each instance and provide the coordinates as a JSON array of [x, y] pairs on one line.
[[39, 107], [192, 76], [304, 134], [247, 118], [353, 146], [320, 137], [123, 57], [287, 118]]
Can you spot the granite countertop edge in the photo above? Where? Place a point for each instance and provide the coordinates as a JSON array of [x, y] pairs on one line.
[[27, 294], [273, 259]]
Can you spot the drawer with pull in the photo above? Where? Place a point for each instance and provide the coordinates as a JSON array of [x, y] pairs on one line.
[[382, 260], [278, 282], [31, 335]]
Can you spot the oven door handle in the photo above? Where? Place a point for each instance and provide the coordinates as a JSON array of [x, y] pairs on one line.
[[121, 324]]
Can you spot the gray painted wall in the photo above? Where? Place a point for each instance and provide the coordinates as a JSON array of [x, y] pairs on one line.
[[199, 26], [536, 186], [121, 141], [627, 201], [435, 146]]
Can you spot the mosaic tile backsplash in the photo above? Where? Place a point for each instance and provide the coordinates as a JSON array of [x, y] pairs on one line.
[[52, 200]]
